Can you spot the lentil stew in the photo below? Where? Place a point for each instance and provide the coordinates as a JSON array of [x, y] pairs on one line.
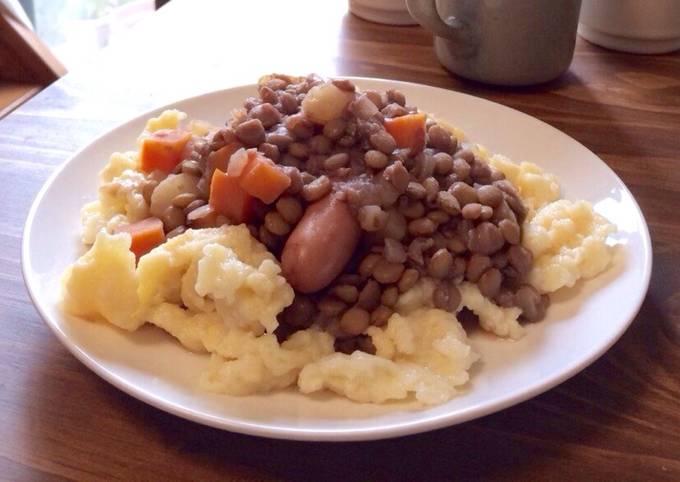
[[360, 196]]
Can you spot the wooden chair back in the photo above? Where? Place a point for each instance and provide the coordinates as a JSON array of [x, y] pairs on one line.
[[23, 56]]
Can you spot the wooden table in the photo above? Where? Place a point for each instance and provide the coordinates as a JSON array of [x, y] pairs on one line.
[[618, 419]]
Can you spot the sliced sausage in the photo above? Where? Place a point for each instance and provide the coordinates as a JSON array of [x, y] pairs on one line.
[[320, 245]]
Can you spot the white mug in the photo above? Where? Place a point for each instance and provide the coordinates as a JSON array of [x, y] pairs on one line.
[[638, 26], [505, 42]]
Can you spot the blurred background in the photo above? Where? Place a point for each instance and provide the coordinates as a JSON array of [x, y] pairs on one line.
[[40, 40], [75, 30]]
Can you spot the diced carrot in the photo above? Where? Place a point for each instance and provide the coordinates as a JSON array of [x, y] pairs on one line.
[[146, 235], [163, 149], [219, 159], [408, 131], [263, 179], [228, 198]]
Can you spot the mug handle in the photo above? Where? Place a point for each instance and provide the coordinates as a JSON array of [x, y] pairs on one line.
[[425, 13]]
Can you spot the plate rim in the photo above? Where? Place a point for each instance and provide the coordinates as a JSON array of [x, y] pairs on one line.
[[333, 434]]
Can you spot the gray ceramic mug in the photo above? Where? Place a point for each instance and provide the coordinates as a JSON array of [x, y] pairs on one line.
[[505, 42]]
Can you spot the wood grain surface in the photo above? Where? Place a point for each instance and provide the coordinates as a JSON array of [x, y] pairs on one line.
[[617, 420], [13, 94]]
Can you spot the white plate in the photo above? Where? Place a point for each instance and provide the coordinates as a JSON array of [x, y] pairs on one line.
[[582, 324]]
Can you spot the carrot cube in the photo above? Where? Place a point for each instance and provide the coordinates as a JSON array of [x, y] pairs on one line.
[[163, 150], [228, 198], [146, 235], [219, 159], [408, 131], [263, 179]]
